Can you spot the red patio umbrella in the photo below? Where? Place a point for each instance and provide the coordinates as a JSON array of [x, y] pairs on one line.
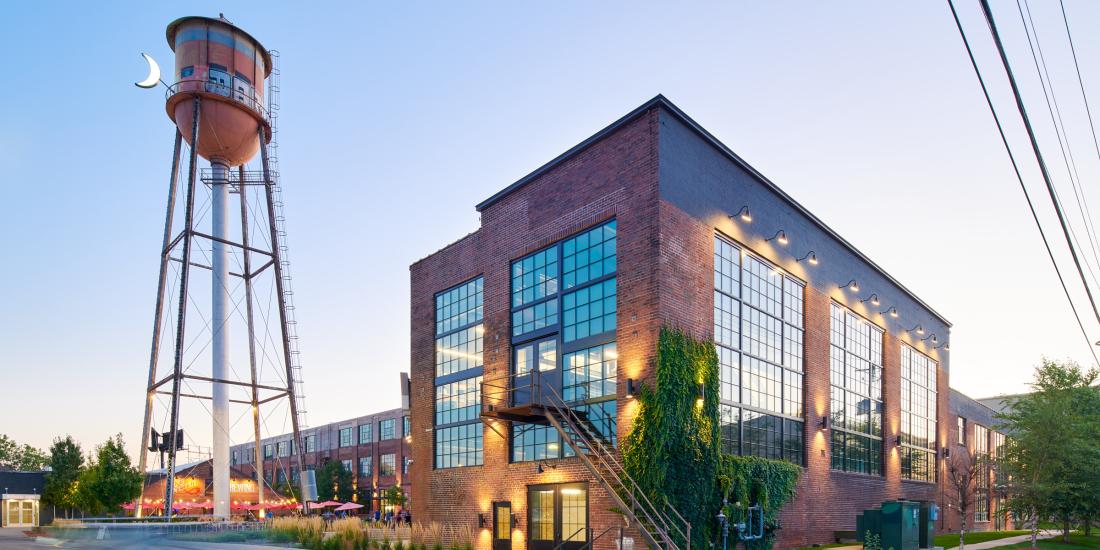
[[348, 506]]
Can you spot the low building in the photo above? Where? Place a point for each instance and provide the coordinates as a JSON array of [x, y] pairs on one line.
[[374, 447], [193, 483], [826, 360], [20, 494], [973, 432]]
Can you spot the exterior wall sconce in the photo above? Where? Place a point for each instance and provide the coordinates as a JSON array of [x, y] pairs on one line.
[[919, 329], [824, 423], [945, 347], [852, 285], [542, 467], [810, 257], [482, 521], [897, 440], [872, 298], [631, 388], [744, 214], [932, 337], [701, 392], [515, 520], [947, 452], [893, 312], [780, 236]]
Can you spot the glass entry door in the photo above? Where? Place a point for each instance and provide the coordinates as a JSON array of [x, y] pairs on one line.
[[21, 513], [558, 515], [502, 526], [535, 365]]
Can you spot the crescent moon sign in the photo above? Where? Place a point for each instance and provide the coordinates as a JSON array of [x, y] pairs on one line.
[[154, 73]]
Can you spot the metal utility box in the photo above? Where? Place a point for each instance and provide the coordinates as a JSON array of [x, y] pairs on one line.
[[900, 525], [868, 521], [929, 513]]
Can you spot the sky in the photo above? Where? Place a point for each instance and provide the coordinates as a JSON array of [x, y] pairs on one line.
[[397, 118]]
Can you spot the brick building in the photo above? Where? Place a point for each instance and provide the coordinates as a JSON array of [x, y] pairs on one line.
[[973, 432], [376, 448], [826, 360]]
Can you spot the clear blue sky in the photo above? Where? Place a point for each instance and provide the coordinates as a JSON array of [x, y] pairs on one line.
[[397, 118]]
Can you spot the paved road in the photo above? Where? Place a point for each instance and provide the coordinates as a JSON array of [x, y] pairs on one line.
[[15, 539]]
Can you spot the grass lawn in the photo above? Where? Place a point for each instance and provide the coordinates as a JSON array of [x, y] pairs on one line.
[[951, 540], [1076, 542]]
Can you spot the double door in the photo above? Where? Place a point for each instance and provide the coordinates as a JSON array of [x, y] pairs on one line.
[[20, 513], [557, 515]]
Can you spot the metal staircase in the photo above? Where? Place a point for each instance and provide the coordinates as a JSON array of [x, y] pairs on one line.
[[280, 227], [662, 527]]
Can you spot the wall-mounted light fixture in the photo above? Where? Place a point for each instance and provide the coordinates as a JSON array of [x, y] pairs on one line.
[[893, 312], [780, 236], [515, 520], [542, 467], [853, 285], [823, 424], [945, 346], [631, 388], [919, 329], [873, 298], [700, 392], [947, 452], [744, 214], [482, 521], [812, 258], [931, 337], [897, 440]]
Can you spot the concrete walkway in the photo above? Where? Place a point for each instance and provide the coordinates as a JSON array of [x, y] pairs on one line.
[[1009, 541]]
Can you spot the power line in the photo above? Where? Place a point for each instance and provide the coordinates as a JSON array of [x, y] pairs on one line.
[[1020, 178], [1080, 81], [1060, 132]]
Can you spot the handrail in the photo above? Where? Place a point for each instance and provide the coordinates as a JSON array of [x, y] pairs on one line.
[[193, 85], [607, 456], [570, 537], [609, 462]]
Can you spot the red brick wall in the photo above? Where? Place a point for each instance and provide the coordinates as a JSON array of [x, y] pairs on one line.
[[616, 177]]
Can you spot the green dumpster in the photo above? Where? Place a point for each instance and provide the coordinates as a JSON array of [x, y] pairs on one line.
[[900, 525]]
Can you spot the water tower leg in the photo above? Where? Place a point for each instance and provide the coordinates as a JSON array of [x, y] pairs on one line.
[[242, 194], [147, 424], [219, 328]]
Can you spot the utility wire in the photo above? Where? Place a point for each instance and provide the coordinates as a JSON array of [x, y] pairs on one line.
[[1038, 153], [1060, 131], [1020, 178], [1080, 81]]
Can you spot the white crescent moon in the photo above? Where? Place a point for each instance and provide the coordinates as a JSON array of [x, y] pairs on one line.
[[154, 73]]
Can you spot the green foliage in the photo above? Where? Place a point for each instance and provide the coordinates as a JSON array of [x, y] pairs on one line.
[[334, 482], [109, 480], [871, 541], [1053, 450], [14, 456], [745, 481], [66, 465], [673, 448], [394, 495]]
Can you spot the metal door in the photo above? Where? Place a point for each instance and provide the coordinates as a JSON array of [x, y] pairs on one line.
[[535, 367], [557, 516]]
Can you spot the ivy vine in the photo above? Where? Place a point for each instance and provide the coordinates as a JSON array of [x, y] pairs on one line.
[[673, 449]]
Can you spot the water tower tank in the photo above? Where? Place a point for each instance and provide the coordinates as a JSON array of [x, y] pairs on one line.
[[225, 67]]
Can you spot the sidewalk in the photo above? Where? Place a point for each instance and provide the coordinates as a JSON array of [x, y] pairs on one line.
[[1009, 541]]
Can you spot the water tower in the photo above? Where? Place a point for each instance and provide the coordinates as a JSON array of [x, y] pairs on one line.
[[216, 100]]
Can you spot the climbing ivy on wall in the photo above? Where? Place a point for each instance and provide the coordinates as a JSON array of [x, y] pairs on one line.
[[673, 449]]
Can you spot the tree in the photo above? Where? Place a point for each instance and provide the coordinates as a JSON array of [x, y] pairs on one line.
[[110, 480], [1053, 450], [14, 456], [66, 465], [962, 478], [334, 482], [394, 496]]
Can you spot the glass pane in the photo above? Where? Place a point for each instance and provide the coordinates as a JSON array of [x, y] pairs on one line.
[[574, 514], [542, 515], [503, 518]]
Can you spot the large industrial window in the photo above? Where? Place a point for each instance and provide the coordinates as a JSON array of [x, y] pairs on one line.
[[387, 465], [345, 437], [387, 429], [564, 318], [918, 415], [458, 402], [311, 443], [855, 366], [364, 433], [365, 469], [758, 330], [458, 369], [406, 427], [981, 485], [283, 448]]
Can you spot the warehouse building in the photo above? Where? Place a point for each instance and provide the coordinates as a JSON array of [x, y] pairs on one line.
[[826, 360]]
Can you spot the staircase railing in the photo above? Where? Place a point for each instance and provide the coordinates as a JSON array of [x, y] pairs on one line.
[[657, 527]]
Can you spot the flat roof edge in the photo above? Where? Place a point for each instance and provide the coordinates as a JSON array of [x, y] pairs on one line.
[[661, 101]]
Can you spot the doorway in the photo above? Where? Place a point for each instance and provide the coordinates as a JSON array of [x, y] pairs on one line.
[[557, 515], [20, 513], [502, 526]]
